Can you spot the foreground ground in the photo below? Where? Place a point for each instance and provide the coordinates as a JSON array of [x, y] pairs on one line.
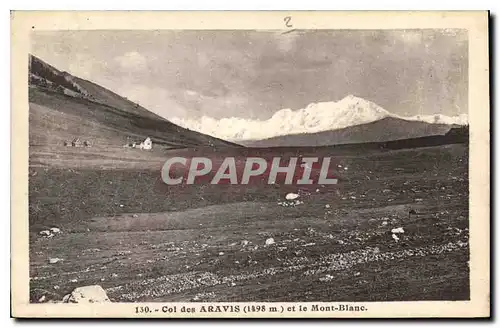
[[124, 230]]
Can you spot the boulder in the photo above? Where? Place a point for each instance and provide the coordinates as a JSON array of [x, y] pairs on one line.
[[54, 260], [44, 233], [291, 196], [87, 294]]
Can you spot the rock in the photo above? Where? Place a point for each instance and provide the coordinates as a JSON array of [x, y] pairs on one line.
[[269, 241], [45, 233], [135, 216], [244, 242], [87, 294], [221, 253], [317, 190], [291, 196], [54, 260], [384, 223], [327, 206], [42, 299], [398, 230], [55, 230], [396, 238]]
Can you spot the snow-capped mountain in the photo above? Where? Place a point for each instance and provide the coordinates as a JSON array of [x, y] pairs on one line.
[[316, 117]]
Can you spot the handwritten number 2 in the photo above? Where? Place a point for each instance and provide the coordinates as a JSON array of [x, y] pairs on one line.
[[287, 20]]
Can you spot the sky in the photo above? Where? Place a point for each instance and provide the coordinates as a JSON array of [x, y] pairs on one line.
[[254, 74]]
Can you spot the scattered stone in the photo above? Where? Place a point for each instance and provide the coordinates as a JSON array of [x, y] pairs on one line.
[[291, 196], [384, 223], [42, 299], [135, 216], [54, 260], [396, 238], [327, 206], [317, 190], [87, 294], [398, 230], [56, 287], [269, 241], [326, 278], [357, 274], [221, 253], [74, 280], [244, 242]]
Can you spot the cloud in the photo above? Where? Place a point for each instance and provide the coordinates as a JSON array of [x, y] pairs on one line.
[[132, 61]]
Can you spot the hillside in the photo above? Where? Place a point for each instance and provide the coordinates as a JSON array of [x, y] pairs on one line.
[[63, 107], [386, 129]]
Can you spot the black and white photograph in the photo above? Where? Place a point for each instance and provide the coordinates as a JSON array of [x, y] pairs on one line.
[[251, 167]]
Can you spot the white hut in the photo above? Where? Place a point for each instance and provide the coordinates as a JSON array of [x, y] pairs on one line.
[[146, 144]]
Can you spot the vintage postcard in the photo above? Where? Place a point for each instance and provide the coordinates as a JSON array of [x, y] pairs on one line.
[[250, 164]]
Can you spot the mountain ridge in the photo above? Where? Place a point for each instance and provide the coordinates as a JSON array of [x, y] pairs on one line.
[[314, 118]]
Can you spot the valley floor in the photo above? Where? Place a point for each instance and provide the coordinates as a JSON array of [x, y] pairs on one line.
[[124, 230]]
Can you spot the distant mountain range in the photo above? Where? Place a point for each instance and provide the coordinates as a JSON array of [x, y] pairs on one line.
[[386, 129], [325, 123], [63, 106]]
